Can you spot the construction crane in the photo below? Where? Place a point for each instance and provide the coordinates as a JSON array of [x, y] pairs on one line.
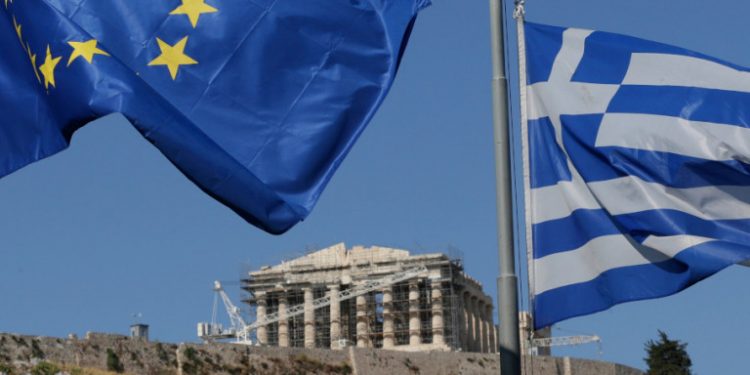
[[214, 331], [564, 340], [240, 330]]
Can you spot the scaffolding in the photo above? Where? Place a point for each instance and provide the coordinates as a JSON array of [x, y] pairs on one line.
[[296, 275], [323, 321]]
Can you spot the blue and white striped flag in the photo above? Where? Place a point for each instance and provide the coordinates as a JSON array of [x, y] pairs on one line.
[[637, 165]]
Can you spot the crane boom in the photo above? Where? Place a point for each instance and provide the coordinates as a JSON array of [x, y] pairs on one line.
[[564, 340], [213, 331], [241, 330], [232, 310]]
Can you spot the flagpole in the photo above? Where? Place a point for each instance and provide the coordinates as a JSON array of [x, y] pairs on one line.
[[507, 282]]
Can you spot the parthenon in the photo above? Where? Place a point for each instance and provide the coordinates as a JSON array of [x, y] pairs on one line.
[[442, 309]]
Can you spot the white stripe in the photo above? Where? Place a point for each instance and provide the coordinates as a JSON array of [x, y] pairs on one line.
[[705, 140], [605, 253], [558, 201], [570, 55], [630, 194], [655, 69], [670, 246], [568, 98]]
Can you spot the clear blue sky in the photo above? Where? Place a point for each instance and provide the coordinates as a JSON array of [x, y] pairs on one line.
[[109, 228]]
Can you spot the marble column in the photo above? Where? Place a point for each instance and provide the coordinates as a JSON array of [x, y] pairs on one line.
[[283, 321], [415, 329], [474, 344], [335, 316], [481, 345], [389, 337], [466, 336], [363, 338], [438, 328], [309, 319], [490, 321], [497, 337], [469, 324], [260, 312]]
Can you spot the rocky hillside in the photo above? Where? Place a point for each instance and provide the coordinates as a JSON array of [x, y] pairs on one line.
[[100, 354]]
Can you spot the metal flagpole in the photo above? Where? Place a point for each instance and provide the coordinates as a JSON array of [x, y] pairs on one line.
[[507, 282]]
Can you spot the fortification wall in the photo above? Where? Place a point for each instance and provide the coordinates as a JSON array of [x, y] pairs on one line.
[[22, 353]]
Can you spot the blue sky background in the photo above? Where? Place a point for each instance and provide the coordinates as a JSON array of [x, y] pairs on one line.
[[109, 228]]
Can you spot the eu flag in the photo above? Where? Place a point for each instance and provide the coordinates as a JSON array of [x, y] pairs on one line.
[[256, 101]]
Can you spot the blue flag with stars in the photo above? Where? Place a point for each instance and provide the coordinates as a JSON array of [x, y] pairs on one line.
[[255, 101]]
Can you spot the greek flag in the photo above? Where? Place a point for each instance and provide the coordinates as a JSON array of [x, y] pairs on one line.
[[637, 165]]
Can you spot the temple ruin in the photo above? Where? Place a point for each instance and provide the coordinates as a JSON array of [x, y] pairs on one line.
[[440, 309]]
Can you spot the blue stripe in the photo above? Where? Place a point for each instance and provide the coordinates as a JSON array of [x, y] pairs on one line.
[[669, 169], [607, 56], [581, 226], [636, 282], [548, 163], [691, 103], [543, 43], [571, 232]]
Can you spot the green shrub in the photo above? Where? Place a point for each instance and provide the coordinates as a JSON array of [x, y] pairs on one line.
[[36, 351], [193, 364], [45, 368], [191, 354], [342, 368], [113, 362], [161, 353], [6, 368], [19, 341], [307, 364]]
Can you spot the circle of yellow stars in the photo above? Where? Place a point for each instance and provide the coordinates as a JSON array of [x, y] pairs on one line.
[[172, 56]]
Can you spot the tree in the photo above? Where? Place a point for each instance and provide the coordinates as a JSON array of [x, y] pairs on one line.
[[667, 357]]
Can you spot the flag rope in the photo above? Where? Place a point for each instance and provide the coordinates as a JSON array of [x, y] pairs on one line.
[[519, 14]]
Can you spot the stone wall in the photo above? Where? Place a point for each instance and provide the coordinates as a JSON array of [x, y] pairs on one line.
[[154, 358]]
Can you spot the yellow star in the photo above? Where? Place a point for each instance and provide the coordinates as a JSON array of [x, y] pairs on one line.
[[87, 50], [173, 56], [193, 9], [17, 26], [48, 69], [32, 58]]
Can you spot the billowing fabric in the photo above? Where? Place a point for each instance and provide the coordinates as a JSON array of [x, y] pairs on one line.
[[256, 101], [638, 164]]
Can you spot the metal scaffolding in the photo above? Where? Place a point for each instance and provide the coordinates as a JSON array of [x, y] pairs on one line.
[[362, 315]]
